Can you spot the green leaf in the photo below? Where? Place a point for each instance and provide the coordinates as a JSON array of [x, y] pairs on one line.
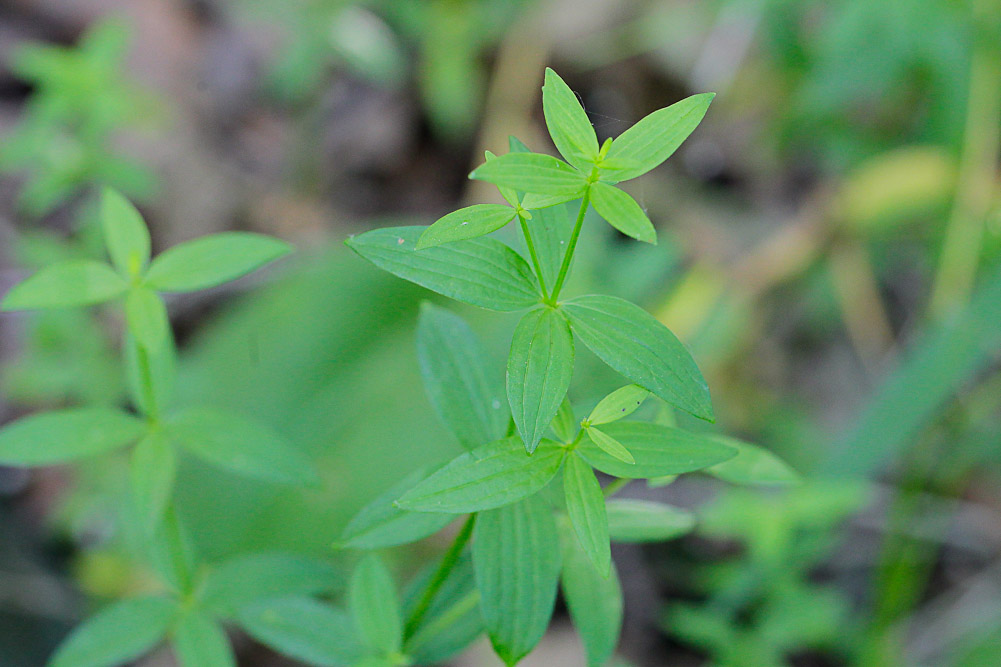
[[586, 509], [653, 139], [634, 343], [533, 172], [539, 369], [151, 373], [658, 450], [753, 465], [551, 228], [147, 318], [125, 234], [516, 557], [382, 524], [457, 379], [568, 124], [303, 629], [564, 423], [644, 521], [466, 223], [212, 260], [118, 634], [594, 601], [453, 620], [622, 212], [490, 476], [61, 436], [483, 272], [620, 403], [375, 606], [201, 642], [241, 445], [153, 469], [535, 202], [78, 282], [171, 553], [610, 444]]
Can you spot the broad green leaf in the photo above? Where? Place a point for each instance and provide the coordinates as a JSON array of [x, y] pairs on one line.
[[241, 445], [564, 423], [118, 634], [622, 212], [533, 172], [516, 557], [457, 378], [125, 234], [147, 318], [375, 606], [653, 139], [634, 343], [77, 282], [250, 578], [212, 260], [490, 476], [483, 272], [153, 469], [382, 524], [658, 450], [304, 629], [466, 223], [568, 124], [452, 622], [609, 444], [644, 521], [199, 641], [61, 436], [753, 465], [620, 403], [539, 369], [594, 601], [586, 509]]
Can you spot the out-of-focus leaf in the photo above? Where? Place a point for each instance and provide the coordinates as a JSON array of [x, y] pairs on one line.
[[753, 465], [658, 450], [199, 641], [147, 318], [125, 233], [117, 634], [61, 436], [645, 521], [75, 282], [153, 468], [212, 260], [243, 580], [304, 629], [375, 606]]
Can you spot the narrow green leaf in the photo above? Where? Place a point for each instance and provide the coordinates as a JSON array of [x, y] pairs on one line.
[[466, 223], [77, 282], [551, 227], [125, 234], [201, 642], [512, 197], [644, 521], [490, 476], [61, 436], [483, 272], [457, 378], [151, 373], [620, 403], [212, 260], [241, 445], [452, 622], [753, 465], [610, 444], [516, 557], [532, 172], [153, 469], [586, 509], [118, 634], [658, 450], [147, 318], [653, 139], [375, 606], [539, 369], [568, 124], [622, 212], [171, 553], [634, 343], [536, 202], [564, 423], [303, 629]]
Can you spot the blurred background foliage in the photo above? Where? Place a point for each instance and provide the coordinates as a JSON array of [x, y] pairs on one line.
[[830, 250]]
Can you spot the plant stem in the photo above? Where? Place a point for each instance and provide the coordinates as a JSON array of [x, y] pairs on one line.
[[448, 563], [440, 624], [146, 381], [615, 486], [535, 257], [568, 256]]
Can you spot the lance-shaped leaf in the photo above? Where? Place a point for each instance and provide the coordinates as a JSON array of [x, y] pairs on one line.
[[564, 423], [200, 641], [490, 476], [753, 465], [453, 620], [466, 223], [568, 124], [153, 469], [658, 450], [516, 557], [249, 578], [533, 172], [304, 629], [539, 369], [241, 445], [77, 282], [457, 378], [66, 435], [125, 234], [622, 212], [620, 403], [634, 343], [586, 509], [551, 228], [151, 373], [170, 551], [483, 272], [644, 521], [375, 606], [653, 139], [117, 634], [609, 444], [212, 260], [147, 318]]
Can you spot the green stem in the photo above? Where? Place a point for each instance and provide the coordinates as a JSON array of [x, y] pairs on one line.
[[448, 563], [568, 256], [442, 623], [146, 382], [615, 486], [531, 251]]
